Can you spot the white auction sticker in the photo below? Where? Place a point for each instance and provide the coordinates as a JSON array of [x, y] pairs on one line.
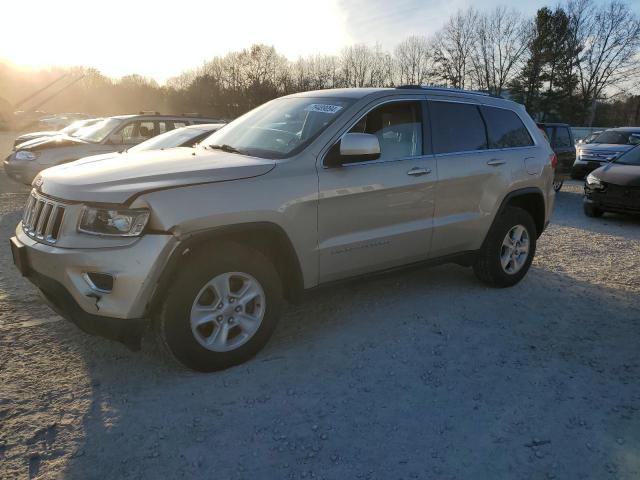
[[322, 108]]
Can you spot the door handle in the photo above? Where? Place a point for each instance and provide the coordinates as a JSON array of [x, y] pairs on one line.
[[416, 171], [494, 162]]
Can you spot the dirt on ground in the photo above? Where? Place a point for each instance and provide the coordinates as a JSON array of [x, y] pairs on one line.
[[424, 373]]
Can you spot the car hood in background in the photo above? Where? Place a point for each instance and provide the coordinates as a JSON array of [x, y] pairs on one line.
[[118, 178], [604, 148], [32, 135], [44, 143], [618, 174]]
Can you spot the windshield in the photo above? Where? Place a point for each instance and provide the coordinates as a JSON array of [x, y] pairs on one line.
[[616, 136], [170, 139], [69, 129], [631, 157], [279, 128], [98, 132]]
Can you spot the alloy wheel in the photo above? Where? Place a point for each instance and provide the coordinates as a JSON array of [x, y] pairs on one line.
[[515, 249], [228, 311]]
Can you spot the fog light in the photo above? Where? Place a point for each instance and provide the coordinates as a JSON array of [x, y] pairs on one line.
[[99, 282]]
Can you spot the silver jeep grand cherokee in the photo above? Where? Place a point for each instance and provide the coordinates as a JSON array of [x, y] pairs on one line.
[[302, 191]]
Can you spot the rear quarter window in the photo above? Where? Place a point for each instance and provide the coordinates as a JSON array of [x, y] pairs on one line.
[[505, 129]]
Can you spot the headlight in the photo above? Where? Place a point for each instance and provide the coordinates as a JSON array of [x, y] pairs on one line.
[[25, 155], [121, 223], [594, 182]]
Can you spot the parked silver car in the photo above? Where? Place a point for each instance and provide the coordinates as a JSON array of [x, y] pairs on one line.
[[68, 130], [180, 137], [300, 192], [112, 134]]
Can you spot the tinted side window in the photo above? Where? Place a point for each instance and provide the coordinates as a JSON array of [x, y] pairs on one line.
[[457, 127], [562, 138], [506, 130], [398, 126]]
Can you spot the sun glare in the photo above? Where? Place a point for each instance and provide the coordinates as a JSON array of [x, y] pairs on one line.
[[161, 39]]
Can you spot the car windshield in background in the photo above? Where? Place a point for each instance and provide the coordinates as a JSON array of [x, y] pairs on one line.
[[170, 139], [98, 132], [280, 128], [631, 157], [615, 137], [77, 125]]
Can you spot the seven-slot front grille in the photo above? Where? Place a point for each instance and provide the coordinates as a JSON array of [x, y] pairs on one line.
[[42, 218]]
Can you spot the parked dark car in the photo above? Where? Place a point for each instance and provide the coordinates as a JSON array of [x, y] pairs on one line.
[[606, 147], [563, 144], [614, 187]]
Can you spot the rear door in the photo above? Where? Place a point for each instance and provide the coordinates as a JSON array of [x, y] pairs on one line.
[[478, 150], [467, 174], [378, 214], [563, 146]]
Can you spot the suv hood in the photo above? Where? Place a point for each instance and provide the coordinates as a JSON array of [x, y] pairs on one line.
[[56, 141], [116, 179]]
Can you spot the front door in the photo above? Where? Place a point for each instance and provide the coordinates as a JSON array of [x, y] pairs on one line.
[[378, 214]]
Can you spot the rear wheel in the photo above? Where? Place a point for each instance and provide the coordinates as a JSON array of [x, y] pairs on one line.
[[508, 250], [557, 185], [591, 210], [221, 309]]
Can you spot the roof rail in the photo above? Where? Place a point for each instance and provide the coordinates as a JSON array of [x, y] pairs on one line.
[[190, 114], [148, 112], [446, 89]]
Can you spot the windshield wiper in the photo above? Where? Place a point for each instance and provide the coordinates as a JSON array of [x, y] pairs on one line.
[[225, 148]]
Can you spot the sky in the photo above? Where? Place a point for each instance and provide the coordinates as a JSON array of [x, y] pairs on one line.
[[160, 39]]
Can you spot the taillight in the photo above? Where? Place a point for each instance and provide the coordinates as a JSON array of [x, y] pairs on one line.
[[554, 161]]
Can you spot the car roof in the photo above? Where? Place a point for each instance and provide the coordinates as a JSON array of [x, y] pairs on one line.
[[205, 126], [553, 124], [625, 129], [160, 116], [358, 93], [340, 92]]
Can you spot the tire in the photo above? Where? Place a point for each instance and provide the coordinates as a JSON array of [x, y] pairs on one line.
[[591, 211], [557, 185], [489, 266], [236, 266]]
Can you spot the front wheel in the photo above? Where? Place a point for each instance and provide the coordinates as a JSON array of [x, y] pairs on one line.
[[591, 211], [221, 309], [508, 250]]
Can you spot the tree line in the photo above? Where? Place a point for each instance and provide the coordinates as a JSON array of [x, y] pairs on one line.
[[578, 63]]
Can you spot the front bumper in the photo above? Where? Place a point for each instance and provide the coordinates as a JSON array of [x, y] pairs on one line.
[[60, 275], [614, 199], [23, 171]]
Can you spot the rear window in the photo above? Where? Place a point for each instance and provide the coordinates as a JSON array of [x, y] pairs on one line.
[[457, 127], [562, 138], [505, 129]]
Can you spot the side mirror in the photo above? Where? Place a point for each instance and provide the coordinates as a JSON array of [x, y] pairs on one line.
[[116, 139], [353, 148]]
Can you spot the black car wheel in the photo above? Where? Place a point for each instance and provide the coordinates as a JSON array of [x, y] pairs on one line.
[[592, 211]]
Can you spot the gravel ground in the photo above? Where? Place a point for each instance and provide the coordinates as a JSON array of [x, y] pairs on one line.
[[419, 374]]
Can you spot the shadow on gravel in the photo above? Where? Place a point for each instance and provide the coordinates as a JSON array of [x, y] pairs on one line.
[[420, 374]]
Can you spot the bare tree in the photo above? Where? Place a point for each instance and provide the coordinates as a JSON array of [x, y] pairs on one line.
[[610, 36], [500, 41], [453, 46], [413, 60], [357, 61]]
